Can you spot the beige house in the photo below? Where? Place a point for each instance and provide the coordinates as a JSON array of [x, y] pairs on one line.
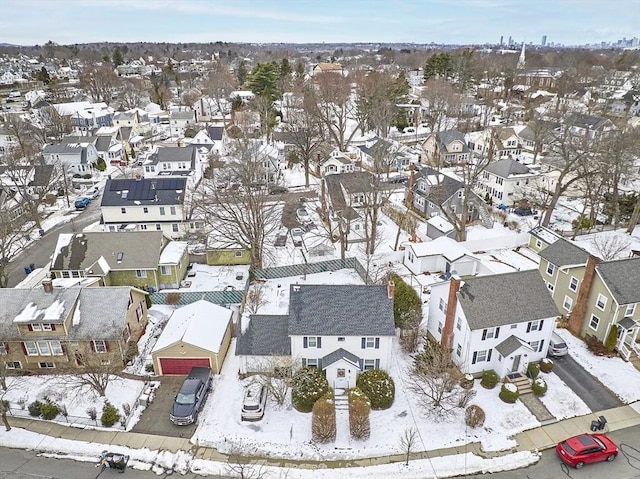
[[595, 296], [198, 334]]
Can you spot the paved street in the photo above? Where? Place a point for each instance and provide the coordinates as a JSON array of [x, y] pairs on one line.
[[594, 394], [40, 251]]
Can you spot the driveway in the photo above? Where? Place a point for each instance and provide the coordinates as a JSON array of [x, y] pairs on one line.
[[155, 419], [594, 394]]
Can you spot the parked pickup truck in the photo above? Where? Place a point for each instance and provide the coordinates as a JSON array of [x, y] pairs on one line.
[[191, 396]]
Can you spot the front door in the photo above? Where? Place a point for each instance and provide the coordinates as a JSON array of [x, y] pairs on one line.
[[516, 364], [341, 382]]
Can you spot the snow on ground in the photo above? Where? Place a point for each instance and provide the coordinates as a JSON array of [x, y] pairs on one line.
[[610, 245], [615, 373], [560, 400], [214, 278]]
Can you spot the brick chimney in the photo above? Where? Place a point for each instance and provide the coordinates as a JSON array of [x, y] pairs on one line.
[[391, 290], [47, 284], [576, 318], [447, 332]]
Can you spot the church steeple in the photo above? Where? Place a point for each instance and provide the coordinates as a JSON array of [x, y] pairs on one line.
[[521, 60]]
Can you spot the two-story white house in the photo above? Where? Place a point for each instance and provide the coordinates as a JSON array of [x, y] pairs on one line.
[[71, 157], [336, 162], [341, 329], [171, 160], [500, 322], [506, 181], [145, 204], [179, 121]]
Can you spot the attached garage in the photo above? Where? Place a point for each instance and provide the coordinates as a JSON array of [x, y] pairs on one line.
[[180, 365], [198, 334]]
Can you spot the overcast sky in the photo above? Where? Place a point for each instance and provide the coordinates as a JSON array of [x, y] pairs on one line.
[[29, 22]]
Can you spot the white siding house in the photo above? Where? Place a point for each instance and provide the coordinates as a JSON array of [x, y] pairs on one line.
[[501, 322], [442, 255]]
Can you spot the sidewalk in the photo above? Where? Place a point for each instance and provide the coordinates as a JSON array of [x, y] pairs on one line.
[[543, 437]]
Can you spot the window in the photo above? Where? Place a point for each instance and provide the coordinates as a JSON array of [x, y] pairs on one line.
[[123, 211], [65, 274], [36, 327], [631, 308], [47, 327], [550, 287], [31, 348], [100, 346], [594, 322], [573, 284], [312, 342], [550, 269], [56, 348], [13, 365], [514, 326], [75, 274], [488, 333], [143, 227], [47, 365], [369, 364], [459, 350], [165, 270], [370, 343], [172, 210], [481, 356], [534, 325], [312, 362], [341, 339], [601, 302], [162, 211], [174, 227], [440, 327], [158, 227], [538, 243], [459, 324], [534, 345], [145, 210], [43, 348], [442, 306], [141, 273], [568, 303]]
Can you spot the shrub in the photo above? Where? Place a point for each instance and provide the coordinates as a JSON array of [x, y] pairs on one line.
[[546, 365], [147, 299], [77, 175], [92, 413], [467, 381], [323, 421], [597, 347], [612, 338], [533, 369], [465, 397], [509, 393], [49, 410], [539, 387], [359, 408], [100, 165], [378, 386], [87, 176], [308, 385], [149, 368], [474, 416], [406, 303], [34, 408], [110, 415], [489, 379]]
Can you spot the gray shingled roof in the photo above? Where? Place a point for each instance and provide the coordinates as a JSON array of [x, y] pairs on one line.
[[627, 323], [215, 132], [357, 182], [102, 310], [140, 250], [182, 115], [265, 336], [585, 121], [103, 143], [506, 168], [439, 193], [340, 310], [173, 153], [622, 277], [62, 148], [509, 345], [564, 253], [337, 355], [501, 299], [145, 191]]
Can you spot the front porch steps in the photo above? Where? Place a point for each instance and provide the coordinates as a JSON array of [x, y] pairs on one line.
[[530, 400], [341, 401]]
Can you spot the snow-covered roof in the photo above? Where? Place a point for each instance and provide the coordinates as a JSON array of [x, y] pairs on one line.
[[444, 246], [173, 252], [202, 324], [440, 223]]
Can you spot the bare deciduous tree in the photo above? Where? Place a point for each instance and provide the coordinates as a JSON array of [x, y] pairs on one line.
[[443, 104], [408, 442], [133, 93], [100, 82], [256, 297], [98, 370], [218, 85], [609, 246], [434, 378], [242, 466]]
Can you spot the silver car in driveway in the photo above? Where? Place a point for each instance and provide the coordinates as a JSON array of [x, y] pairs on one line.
[[255, 399], [296, 236]]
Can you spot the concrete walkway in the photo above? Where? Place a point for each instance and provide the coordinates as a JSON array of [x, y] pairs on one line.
[[537, 439]]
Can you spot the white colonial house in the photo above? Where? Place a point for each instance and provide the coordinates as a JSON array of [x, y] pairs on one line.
[[497, 322], [507, 181], [145, 204], [179, 121], [71, 157], [340, 329]]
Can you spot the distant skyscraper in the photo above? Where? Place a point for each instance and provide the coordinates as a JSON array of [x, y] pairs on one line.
[[544, 40], [501, 40], [510, 41]]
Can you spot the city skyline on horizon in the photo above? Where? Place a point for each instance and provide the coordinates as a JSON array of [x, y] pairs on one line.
[[571, 22]]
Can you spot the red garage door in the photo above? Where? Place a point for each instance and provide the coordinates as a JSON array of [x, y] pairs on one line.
[[181, 366]]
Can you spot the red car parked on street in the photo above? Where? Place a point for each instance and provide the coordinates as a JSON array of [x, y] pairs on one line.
[[586, 448]]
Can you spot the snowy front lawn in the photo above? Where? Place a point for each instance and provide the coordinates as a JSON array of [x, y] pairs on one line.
[[285, 432]]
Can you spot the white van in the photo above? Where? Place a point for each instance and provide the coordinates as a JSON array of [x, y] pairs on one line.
[[557, 346]]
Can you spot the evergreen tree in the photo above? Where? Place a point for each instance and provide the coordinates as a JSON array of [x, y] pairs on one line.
[[43, 76], [264, 79], [117, 58], [438, 65], [285, 68], [241, 73]]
